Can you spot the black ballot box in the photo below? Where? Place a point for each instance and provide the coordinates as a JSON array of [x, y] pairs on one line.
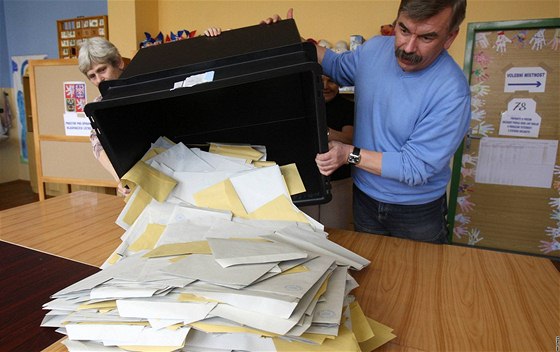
[[263, 87]]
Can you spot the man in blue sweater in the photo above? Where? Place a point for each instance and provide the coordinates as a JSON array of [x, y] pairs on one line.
[[412, 111]]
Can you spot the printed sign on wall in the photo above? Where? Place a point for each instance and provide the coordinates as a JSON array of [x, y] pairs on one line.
[[531, 79], [521, 119], [75, 121]]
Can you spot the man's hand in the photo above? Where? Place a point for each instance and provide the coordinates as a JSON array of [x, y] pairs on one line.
[[275, 18], [333, 159]]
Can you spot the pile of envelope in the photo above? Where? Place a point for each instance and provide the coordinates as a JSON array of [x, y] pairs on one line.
[[216, 257]]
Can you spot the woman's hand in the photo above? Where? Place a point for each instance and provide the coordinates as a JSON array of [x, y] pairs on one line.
[[275, 18], [213, 32]]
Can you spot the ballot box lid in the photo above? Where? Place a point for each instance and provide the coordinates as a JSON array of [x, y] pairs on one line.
[[266, 92]]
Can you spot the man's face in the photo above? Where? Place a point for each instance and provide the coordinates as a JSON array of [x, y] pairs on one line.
[[330, 89], [418, 43], [104, 72]]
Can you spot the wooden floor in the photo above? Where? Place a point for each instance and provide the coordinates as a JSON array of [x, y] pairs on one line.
[[16, 193]]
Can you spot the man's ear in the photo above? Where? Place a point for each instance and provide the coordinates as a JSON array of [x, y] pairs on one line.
[[121, 63], [451, 37]]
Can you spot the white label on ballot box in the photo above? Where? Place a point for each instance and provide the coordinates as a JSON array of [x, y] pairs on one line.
[[194, 80]]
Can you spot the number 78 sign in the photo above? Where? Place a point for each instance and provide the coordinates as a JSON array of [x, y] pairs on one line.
[[521, 119]]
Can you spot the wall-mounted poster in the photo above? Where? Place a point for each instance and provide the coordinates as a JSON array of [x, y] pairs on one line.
[[19, 68], [75, 99]]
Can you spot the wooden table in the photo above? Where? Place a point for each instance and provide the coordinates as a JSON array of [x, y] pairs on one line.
[[436, 297]]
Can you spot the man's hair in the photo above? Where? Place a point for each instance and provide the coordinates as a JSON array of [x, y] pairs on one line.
[[419, 10], [97, 50]]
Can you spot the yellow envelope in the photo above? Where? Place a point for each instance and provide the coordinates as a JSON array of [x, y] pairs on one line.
[[345, 341], [115, 257], [281, 208], [383, 334], [263, 163], [153, 152], [99, 305], [237, 151], [322, 289], [360, 325], [148, 239], [316, 338], [221, 196], [292, 178], [153, 181], [295, 270], [140, 201]]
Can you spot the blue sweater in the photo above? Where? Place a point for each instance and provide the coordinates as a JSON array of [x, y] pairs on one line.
[[416, 119]]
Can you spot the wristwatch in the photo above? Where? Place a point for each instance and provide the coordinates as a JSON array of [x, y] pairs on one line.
[[354, 157]]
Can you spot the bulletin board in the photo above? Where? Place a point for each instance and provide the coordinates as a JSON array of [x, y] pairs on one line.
[[61, 155], [73, 31], [505, 191]]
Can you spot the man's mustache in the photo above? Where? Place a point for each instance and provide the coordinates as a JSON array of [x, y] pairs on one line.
[[410, 57]]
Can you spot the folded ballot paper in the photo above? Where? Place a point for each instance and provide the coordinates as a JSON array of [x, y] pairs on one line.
[[215, 257]]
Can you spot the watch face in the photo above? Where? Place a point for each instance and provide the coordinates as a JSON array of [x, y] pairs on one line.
[[353, 159]]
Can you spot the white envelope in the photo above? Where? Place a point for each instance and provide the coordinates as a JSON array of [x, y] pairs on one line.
[[329, 310], [295, 285], [223, 163], [272, 323], [268, 303], [154, 213], [151, 337], [189, 183], [161, 167], [184, 212], [229, 252], [259, 186], [181, 158], [103, 331], [236, 342], [88, 346], [234, 229], [255, 320], [159, 309], [107, 292], [204, 267], [162, 142], [310, 241], [182, 232]]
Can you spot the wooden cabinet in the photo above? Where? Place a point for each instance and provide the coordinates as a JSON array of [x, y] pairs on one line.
[[72, 31]]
